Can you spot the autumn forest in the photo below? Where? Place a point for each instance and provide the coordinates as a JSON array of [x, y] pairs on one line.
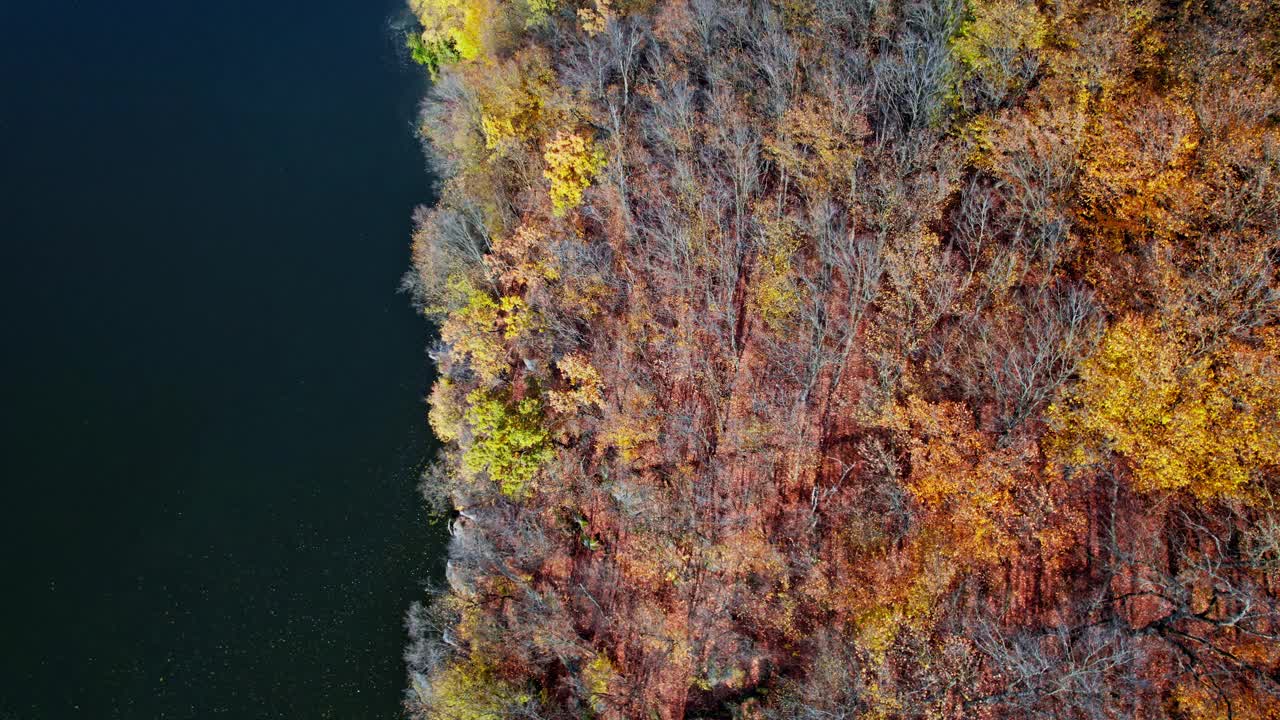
[[844, 359]]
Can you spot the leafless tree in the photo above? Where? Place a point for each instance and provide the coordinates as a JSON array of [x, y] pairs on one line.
[[910, 82], [449, 241], [1085, 672], [1209, 597], [1230, 292], [1036, 173], [832, 687], [1024, 358]]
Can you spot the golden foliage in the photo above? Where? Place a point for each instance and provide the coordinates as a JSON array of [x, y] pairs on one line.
[[632, 426], [481, 329], [584, 389], [1090, 64], [1136, 175], [993, 41], [1204, 701], [510, 441], [573, 161], [514, 98], [818, 144], [776, 297], [447, 410], [1203, 424], [458, 22], [469, 690], [594, 20], [959, 477], [596, 676], [539, 12]]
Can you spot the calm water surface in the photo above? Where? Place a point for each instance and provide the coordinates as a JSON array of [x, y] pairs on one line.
[[210, 392]]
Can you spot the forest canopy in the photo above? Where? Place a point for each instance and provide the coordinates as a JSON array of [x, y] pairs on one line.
[[852, 359]]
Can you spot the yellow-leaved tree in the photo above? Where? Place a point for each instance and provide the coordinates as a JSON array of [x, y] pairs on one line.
[[470, 690], [999, 44], [1207, 424], [452, 26], [510, 440], [573, 161], [483, 329]]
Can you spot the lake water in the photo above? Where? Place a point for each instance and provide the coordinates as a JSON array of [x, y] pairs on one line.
[[212, 395]]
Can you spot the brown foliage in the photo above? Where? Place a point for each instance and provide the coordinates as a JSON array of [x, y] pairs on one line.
[[827, 332]]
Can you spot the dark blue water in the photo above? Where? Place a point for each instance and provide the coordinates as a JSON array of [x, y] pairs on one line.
[[210, 393]]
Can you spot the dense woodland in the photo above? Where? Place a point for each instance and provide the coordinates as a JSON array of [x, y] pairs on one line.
[[852, 359]]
